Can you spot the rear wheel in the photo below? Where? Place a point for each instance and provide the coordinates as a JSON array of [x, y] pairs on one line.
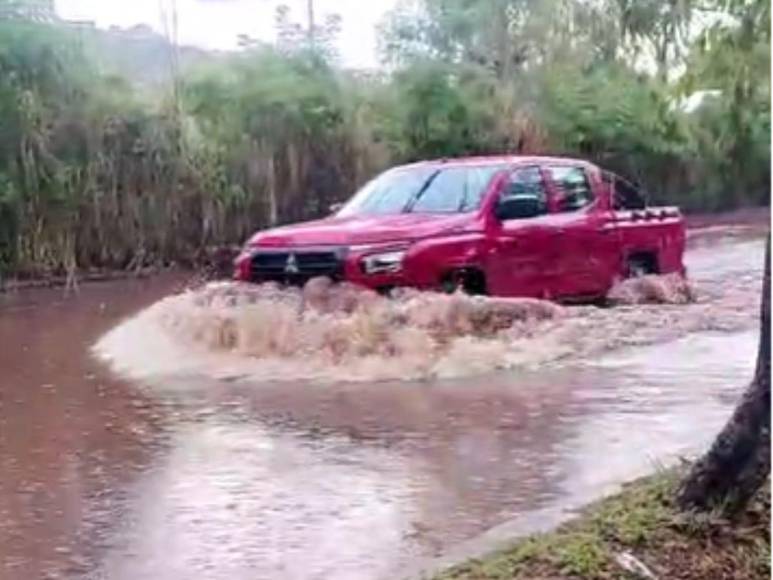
[[641, 265]]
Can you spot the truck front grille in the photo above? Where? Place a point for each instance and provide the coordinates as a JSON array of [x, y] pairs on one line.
[[297, 266]]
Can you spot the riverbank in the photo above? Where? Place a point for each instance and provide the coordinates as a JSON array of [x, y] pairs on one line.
[[14, 284], [639, 528], [214, 263]]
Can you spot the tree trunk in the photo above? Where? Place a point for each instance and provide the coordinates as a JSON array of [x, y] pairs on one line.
[[312, 25], [738, 462]]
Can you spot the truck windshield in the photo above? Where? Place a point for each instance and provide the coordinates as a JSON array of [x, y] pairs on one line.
[[422, 190], [389, 193]]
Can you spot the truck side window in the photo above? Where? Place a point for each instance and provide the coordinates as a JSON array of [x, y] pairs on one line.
[[524, 195], [526, 181], [626, 195], [575, 190]]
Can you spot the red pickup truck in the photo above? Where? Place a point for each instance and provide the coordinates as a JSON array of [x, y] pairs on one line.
[[543, 227]]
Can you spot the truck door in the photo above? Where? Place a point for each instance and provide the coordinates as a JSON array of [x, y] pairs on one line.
[[587, 249], [520, 239]]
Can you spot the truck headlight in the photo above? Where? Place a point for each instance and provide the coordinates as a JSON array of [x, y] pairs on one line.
[[385, 263]]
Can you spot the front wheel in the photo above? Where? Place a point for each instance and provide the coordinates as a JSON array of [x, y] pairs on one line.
[[468, 280]]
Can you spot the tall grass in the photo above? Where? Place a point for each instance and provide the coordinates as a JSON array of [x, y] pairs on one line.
[[98, 172]]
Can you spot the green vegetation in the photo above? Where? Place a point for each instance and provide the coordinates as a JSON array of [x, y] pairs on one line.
[[642, 521], [100, 168]]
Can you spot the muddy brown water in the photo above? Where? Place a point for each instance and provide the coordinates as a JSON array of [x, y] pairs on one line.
[[182, 471]]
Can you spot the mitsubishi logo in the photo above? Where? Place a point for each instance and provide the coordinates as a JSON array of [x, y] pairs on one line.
[[291, 267]]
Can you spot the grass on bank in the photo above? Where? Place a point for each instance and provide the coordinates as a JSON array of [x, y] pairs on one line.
[[641, 520]]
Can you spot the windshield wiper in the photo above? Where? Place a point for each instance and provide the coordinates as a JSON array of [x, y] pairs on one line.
[[415, 199]]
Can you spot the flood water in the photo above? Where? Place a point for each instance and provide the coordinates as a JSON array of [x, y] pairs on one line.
[[122, 457]]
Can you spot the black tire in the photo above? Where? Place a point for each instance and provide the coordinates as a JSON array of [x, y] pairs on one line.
[[641, 265], [469, 280]]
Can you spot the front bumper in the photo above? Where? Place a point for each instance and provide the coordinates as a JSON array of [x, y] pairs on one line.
[[296, 266]]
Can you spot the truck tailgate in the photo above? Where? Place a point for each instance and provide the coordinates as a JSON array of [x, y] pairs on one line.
[[656, 230]]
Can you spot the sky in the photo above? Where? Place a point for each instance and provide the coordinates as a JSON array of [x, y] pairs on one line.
[[215, 24]]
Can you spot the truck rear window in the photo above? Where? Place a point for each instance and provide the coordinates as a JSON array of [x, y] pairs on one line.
[[625, 195]]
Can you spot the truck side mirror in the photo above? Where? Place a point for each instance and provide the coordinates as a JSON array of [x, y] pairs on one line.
[[519, 207]]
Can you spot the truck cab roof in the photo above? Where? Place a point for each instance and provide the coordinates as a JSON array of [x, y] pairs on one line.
[[499, 159]]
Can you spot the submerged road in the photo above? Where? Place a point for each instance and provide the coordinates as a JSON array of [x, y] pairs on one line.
[[181, 475]]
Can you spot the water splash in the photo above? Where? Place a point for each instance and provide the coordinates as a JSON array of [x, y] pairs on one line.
[[324, 330], [653, 289], [340, 332]]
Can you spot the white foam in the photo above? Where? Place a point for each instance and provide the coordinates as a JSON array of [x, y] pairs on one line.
[[329, 332]]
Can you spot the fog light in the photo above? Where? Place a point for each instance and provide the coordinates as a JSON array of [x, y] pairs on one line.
[[386, 263]]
